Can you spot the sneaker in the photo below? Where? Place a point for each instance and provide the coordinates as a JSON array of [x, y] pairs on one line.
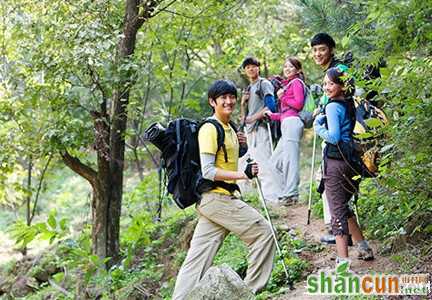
[[288, 201], [340, 260], [365, 254], [328, 239]]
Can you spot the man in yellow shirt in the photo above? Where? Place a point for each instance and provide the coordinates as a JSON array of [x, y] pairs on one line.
[[220, 212]]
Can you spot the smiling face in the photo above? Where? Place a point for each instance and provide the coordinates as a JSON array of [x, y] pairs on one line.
[[223, 106], [332, 89], [289, 70], [322, 54], [252, 72]]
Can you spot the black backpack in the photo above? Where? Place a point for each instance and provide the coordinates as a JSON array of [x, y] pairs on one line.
[[362, 153], [180, 154]]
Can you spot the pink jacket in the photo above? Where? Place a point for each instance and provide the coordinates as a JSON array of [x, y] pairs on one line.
[[292, 100]]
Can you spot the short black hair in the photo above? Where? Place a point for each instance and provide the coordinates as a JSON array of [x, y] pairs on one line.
[[250, 61], [323, 38], [222, 87]]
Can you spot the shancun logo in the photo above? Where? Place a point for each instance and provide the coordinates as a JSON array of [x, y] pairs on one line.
[[344, 282]]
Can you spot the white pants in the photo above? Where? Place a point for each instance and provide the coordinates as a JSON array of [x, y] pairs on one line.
[[286, 158], [259, 149]]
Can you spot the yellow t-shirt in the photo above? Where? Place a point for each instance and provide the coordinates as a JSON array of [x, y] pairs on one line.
[[207, 139]]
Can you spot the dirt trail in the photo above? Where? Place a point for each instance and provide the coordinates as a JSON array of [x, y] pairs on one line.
[[295, 217], [7, 251]]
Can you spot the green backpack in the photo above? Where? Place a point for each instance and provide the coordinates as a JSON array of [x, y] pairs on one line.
[[310, 104]]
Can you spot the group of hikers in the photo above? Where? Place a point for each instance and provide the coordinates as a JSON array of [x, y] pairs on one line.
[[221, 211]]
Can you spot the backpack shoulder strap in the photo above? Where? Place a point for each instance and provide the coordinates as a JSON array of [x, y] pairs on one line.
[[351, 116], [259, 89], [305, 90], [220, 135], [305, 87], [292, 81], [233, 126]]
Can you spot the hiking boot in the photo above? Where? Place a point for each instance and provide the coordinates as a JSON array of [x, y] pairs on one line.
[[288, 201], [365, 254]]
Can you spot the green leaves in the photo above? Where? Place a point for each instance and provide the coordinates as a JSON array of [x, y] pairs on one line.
[[51, 230], [374, 123], [52, 221], [365, 135]]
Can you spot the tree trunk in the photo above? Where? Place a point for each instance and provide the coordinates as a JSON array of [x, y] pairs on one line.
[[107, 181], [99, 218], [126, 47], [29, 186], [28, 198]]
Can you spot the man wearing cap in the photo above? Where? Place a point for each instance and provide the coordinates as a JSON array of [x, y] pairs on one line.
[[258, 98]]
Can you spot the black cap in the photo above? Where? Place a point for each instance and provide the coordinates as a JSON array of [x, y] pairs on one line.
[[250, 61]]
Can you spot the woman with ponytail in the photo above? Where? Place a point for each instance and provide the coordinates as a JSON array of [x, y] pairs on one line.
[[287, 153]]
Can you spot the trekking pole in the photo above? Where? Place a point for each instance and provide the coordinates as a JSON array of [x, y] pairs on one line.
[[270, 137], [356, 208], [311, 179], [260, 192]]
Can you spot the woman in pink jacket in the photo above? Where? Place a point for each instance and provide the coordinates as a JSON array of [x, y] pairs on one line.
[[287, 153]]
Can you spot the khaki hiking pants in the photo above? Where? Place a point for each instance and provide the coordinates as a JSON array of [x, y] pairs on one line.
[[219, 215]]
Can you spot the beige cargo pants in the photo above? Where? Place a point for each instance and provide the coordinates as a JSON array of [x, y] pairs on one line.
[[219, 215]]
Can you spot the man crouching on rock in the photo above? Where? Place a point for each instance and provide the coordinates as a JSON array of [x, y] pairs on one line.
[[219, 211]]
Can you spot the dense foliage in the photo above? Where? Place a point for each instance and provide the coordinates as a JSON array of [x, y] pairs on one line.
[[60, 64]]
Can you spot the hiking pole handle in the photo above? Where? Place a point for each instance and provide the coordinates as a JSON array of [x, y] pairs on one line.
[[311, 177], [242, 124]]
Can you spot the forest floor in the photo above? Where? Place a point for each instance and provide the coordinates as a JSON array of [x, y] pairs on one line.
[[7, 251]]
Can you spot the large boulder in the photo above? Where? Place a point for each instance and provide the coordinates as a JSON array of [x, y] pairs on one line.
[[221, 283]]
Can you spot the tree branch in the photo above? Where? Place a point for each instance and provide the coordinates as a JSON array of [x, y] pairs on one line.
[[80, 168], [164, 8], [40, 187], [95, 79], [205, 9], [149, 152]]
